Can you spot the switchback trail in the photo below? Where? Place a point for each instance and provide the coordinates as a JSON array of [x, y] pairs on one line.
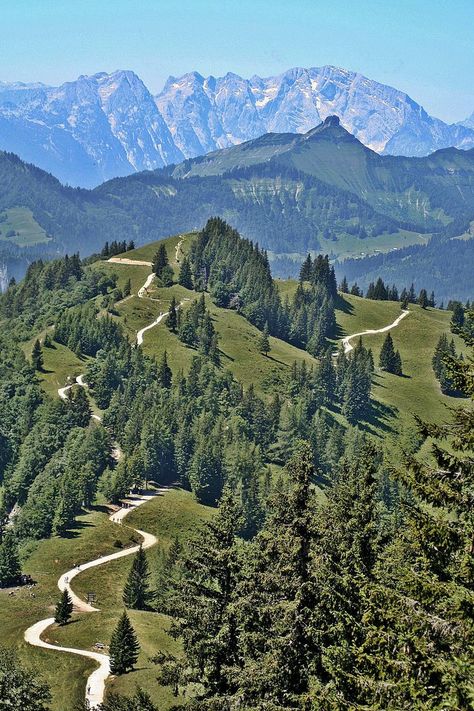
[[346, 341], [95, 687]]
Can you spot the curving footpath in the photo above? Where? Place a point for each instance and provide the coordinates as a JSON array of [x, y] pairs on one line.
[[346, 342], [95, 687]]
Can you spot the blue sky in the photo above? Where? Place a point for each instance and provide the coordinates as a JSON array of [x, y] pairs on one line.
[[424, 47]]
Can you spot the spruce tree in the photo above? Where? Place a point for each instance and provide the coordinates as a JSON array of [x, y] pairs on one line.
[[263, 344], [306, 269], [160, 260], [423, 299], [390, 360], [64, 608], [10, 567], [37, 356], [204, 614], [127, 289], [344, 287], [136, 593], [124, 647], [165, 376], [185, 275], [172, 320]]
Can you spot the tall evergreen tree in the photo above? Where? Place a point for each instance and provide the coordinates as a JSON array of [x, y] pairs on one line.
[[124, 647], [185, 275], [160, 260], [20, 688], [165, 376], [390, 360], [136, 593], [172, 320], [10, 567], [37, 356], [263, 342], [64, 608], [204, 615]]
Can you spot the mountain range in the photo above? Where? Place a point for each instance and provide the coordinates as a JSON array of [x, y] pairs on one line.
[[108, 125], [322, 191]]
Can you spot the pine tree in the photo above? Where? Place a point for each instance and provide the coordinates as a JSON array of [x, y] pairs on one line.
[[136, 593], [390, 359], [10, 567], [423, 299], [64, 608], [20, 688], [172, 320], [37, 356], [204, 618], [165, 376], [344, 287], [185, 275], [263, 343], [124, 647], [306, 269], [160, 260], [127, 289]]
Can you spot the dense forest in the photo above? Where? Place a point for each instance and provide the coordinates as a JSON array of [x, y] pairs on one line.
[[336, 573]]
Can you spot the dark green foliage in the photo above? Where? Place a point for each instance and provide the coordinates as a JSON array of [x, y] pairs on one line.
[[140, 701], [172, 320], [263, 341], [37, 356], [423, 299], [124, 647], [21, 688], [355, 378], [64, 608], [160, 260], [390, 359], [204, 618], [196, 330], [136, 593], [185, 274], [10, 567], [444, 350]]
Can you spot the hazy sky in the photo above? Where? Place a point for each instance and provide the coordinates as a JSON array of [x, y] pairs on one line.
[[424, 47]]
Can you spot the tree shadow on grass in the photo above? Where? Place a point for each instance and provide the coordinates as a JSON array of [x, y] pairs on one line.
[[378, 420]]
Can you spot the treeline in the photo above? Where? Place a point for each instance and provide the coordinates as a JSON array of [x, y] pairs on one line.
[[114, 247], [379, 291]]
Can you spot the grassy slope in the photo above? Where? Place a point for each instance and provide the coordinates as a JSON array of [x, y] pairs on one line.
[[176, 513], [417, 392], [21, 220]]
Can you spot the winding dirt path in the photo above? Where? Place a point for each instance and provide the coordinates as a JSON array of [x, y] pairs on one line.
[[95, 687], [346, 341]]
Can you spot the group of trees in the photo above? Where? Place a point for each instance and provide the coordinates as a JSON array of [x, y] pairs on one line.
[[360, 600], [237, 274], [114, 247], [195, 327]]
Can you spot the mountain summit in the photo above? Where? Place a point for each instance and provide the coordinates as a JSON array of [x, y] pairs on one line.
[[109, 125]]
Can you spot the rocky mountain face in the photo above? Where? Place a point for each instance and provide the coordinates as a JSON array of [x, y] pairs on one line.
[[88, 130], [204, 114], [109, 125], [469, 122]]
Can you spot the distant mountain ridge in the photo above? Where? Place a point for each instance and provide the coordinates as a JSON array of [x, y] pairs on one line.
[[323, 191], [109, 125]]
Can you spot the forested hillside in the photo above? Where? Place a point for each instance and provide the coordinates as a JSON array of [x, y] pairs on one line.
[[322, 192], [311, 552]]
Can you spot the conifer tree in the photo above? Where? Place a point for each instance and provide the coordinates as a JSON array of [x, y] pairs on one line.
[[423, 299], [165, 376], [204, 616], [344, 287], [263, 343], [185, 275], [10, 567], [124, 647], [127, 289], [20, 688], [37, 356], [390, 360], [64, 608], [136, 593], [172, 320], [306, 269], [160, 260]]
